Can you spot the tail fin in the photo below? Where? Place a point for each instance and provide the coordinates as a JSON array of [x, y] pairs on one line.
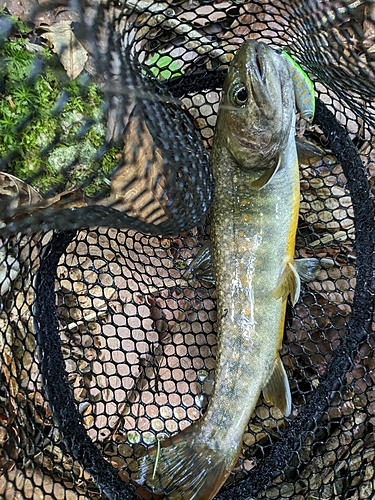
[[184, 467]]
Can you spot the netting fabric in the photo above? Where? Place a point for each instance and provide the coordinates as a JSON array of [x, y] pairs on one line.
[[107, 115]]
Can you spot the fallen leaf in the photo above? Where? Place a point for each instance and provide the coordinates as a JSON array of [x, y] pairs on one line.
[[23, 9], [63, 42], [369, 28], [45, 17], [9, 270], [137, 186], [15, 193]]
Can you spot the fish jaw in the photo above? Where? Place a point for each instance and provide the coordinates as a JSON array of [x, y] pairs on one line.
[[255, 132]]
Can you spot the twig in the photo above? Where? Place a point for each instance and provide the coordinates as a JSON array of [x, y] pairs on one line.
[[156, 458]]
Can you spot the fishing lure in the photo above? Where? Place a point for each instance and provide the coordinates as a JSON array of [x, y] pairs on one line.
[[303, 89]]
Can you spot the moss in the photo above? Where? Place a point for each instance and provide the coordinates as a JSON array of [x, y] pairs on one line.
[[41, 143]]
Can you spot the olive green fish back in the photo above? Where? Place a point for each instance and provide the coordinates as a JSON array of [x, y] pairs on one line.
[[107, 113]]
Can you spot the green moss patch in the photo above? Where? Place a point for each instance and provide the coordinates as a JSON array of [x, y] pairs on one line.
[[51, 128]]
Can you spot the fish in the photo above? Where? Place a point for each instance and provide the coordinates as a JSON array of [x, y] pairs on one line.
[[253, 231]]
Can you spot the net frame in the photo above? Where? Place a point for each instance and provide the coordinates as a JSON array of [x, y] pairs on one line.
[[360, 325]]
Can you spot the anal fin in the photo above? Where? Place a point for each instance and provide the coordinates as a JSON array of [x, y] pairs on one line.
[[277, 390], [289, 284]]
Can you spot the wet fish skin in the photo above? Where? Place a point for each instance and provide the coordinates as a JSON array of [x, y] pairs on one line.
[[253, 229]]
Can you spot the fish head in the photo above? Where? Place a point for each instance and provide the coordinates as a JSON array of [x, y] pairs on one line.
[[257, 110]]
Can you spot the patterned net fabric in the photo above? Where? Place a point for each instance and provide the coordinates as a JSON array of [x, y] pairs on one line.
[[107, 116]]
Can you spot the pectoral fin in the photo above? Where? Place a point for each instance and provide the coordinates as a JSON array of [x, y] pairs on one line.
[[267, 176], [289, 284], [310, 153], [308, 269], [277, 390]]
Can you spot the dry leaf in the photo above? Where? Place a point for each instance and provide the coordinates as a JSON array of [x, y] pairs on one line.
[[369, 28], [15, 193], [17, 198], [62, 40], [9, 270], [23, 9], [71, 198]]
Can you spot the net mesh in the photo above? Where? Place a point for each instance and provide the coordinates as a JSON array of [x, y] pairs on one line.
[[107, 116]]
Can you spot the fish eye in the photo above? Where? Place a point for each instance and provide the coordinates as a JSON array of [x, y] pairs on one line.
[[238, 94]]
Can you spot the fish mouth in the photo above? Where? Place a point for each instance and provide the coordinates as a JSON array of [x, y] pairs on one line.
[[259, 68], [259, 51], [262, 69]]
